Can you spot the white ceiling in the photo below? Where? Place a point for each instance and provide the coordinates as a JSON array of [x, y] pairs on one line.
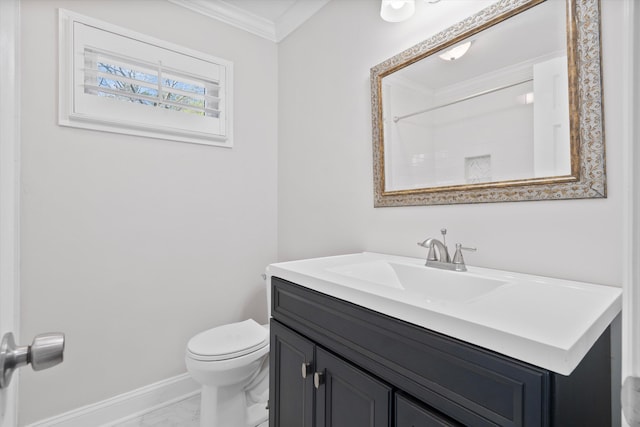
[[268, 9], [271, 19]]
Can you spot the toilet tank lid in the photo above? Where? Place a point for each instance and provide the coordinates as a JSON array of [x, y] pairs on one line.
[[228, 339]]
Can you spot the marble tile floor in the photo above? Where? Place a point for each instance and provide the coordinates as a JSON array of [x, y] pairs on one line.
[[185, 413]]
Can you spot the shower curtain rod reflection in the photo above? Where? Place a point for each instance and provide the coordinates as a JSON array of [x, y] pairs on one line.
[[396, 119]]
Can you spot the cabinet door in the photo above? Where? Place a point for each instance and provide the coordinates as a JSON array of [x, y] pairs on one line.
[[347, 396], [412, 414], [290, 395]]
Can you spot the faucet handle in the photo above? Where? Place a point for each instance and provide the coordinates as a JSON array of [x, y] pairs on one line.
[[458, 259]]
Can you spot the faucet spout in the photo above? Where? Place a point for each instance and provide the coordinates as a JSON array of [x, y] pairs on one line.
[[443, 252]]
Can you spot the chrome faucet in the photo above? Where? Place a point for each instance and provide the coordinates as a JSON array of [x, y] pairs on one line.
[[433, 243], [443, 260]]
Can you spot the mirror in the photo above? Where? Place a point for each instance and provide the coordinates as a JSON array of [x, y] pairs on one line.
[[516, 116]]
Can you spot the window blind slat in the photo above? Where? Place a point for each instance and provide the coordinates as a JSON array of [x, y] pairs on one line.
[[94, 89], [165, 89]]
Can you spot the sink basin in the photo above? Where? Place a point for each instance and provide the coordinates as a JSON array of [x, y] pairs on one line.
[[427, 283]]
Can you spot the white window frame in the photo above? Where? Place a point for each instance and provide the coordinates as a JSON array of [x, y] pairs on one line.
[[84, 110]]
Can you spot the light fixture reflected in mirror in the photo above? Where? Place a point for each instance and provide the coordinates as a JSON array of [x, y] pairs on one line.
[[397, 10], [456, 52]]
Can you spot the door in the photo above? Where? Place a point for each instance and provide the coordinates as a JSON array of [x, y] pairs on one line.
[[631, 274], [290, 373], [9, 185], [46, 350], [347, 396]]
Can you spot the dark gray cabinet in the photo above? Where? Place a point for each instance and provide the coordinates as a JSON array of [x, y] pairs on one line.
[[430, 379]]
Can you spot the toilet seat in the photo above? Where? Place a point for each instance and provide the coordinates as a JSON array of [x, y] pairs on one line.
[[228, 341]]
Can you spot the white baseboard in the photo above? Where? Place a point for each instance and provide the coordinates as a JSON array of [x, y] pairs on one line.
[[126, 406]]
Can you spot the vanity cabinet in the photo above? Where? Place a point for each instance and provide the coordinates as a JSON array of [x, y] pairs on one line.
[[375, 370]]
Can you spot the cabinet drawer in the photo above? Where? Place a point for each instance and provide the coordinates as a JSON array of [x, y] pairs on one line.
[[471, 385], [412, 414]]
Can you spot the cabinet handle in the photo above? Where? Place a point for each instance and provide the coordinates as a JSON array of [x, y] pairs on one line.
[[306, 369], [318, 379]]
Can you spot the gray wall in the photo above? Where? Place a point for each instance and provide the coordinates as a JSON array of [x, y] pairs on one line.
[[132, 245], [325, 190]]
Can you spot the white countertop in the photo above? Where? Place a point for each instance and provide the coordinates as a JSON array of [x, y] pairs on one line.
[[550, 323]]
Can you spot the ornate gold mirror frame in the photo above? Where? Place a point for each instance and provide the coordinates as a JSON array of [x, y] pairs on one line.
[[588, 176]]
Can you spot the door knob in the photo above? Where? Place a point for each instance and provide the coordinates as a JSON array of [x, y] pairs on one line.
[[45, 351]]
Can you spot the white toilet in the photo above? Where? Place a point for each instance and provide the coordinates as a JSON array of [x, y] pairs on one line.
[[232, 364]]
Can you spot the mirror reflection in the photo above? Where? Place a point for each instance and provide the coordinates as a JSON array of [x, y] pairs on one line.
[[493, 107]]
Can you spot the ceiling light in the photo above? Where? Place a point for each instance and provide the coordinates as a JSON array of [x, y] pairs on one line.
[[397, 10], [456, 52]]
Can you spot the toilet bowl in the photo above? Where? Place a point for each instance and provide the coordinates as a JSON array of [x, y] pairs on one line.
[[231, 363]]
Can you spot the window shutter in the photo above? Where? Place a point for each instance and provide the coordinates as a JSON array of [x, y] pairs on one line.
[[135, 81], [126, 82]]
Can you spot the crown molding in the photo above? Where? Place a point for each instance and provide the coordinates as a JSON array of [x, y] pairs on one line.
[[258, 25]]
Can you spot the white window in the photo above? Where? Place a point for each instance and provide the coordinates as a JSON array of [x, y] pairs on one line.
[[117, 80]]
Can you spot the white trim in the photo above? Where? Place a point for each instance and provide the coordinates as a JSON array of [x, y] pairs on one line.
[[631, 211], [274, 31], [9, 191], [232, 15], [126, 406]]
